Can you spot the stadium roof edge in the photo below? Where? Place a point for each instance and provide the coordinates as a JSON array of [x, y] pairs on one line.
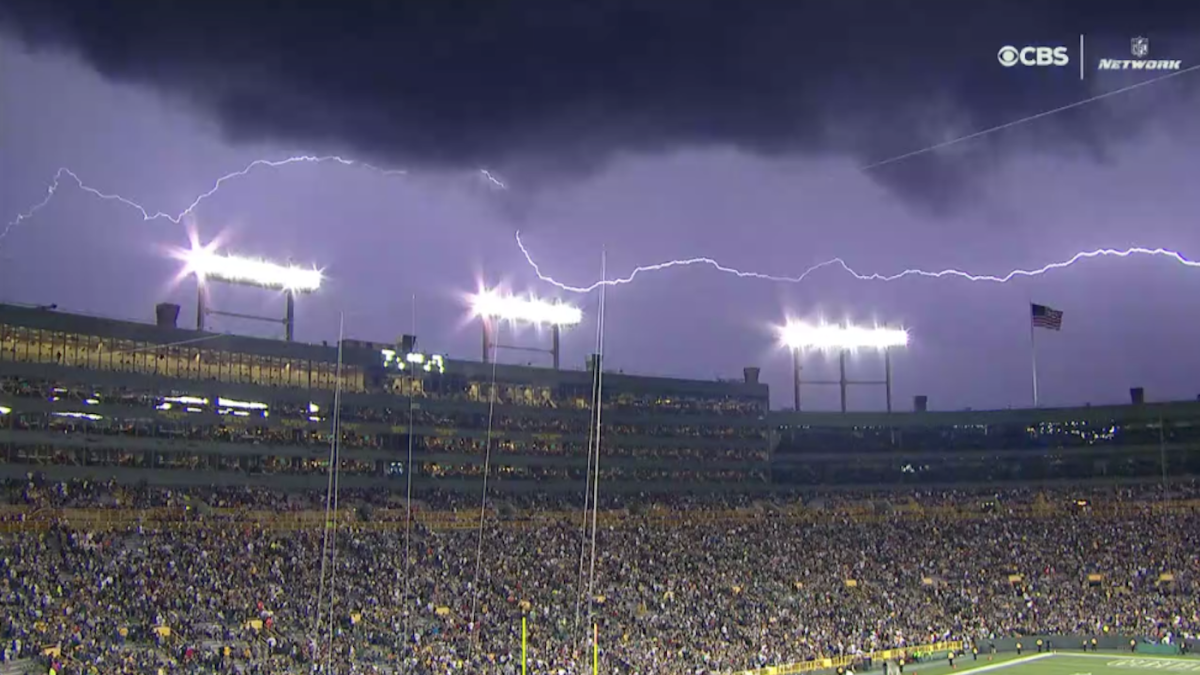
[[359, 352], [45, 318], [1145, 412]]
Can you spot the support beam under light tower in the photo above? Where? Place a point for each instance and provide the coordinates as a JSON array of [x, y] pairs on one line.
[[843, 383], [796, 378], [491, 309], [489, 343], [288, 320], [887, 376], [208, 266], [843, 339]]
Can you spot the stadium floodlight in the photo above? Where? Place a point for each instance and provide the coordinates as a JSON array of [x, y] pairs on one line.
[[207, 264], [831, 337], [799, 336], [491, 306]]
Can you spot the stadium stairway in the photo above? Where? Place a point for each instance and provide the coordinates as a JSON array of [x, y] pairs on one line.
[[20, 667]]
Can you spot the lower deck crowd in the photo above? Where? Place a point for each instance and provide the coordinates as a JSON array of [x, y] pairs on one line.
[[667, 595]]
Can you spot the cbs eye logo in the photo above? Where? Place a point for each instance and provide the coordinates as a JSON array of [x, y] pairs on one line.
[[1010, 56]]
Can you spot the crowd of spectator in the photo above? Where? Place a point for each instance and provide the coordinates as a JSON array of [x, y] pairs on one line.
[[475, 444], [144, 423], [674, 593], [178, 418], [370, 409], [1015, 433]]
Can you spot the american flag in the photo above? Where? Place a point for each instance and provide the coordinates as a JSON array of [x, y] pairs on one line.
[[1045, 317]]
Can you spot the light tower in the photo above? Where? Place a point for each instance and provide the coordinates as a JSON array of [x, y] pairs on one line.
[[800, 336], [492, 307], [208, 265]]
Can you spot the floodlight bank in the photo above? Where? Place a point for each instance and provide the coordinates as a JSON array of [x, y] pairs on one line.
[[511, 308], [238, 270], [847, 337]]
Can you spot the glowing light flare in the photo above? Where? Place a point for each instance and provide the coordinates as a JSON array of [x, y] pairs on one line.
[[234, 403], [206, 263], [833, 337], [185, 400], [79, 415], [495, 305]]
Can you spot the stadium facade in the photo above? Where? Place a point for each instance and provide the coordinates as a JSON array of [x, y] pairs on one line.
[[87, 397]]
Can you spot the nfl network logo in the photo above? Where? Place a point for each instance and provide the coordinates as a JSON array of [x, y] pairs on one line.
[[1140, 48]]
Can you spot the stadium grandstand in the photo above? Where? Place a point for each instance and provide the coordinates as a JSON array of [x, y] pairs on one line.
[[156, 403], [1135, 442], [166, 508]]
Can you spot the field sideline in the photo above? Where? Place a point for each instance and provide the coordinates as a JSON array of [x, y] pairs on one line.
[[1064, 663]]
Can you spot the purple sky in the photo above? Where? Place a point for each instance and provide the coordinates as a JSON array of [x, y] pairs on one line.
[[384, 240]]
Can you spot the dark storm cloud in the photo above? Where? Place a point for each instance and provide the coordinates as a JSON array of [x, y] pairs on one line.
[[556, 87]]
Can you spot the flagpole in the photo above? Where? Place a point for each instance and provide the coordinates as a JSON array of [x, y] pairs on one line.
[[1033, 354]]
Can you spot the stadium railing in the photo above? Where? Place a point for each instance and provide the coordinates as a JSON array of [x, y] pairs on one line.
[[915, 652], [1102, 642], [25, 518]]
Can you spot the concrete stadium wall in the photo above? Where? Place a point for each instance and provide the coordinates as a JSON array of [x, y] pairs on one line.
[[320, 481], [1104, 642], [183, 478]]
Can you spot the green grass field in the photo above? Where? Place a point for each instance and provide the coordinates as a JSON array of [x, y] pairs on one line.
[[1064, 663]]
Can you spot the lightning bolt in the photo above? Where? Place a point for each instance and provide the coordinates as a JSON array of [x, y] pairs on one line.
[[64, 173], [840, 263], [491, 178], [499, 184]]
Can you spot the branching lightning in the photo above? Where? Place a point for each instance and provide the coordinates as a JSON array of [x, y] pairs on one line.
[[840, 263], [833, 262], [491, 178], [64, 173]]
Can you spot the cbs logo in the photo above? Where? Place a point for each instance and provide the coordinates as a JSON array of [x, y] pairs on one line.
[[1033, 56]]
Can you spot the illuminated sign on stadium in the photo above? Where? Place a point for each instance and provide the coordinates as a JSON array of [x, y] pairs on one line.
[[413, 361]]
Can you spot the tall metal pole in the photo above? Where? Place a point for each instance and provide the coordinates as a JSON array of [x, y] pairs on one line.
[[1033, 360], [842, 381], [289, 320], [201, 310], [487, 338], [1162, 452], [796, 377], [887, 375], [555, 334]]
